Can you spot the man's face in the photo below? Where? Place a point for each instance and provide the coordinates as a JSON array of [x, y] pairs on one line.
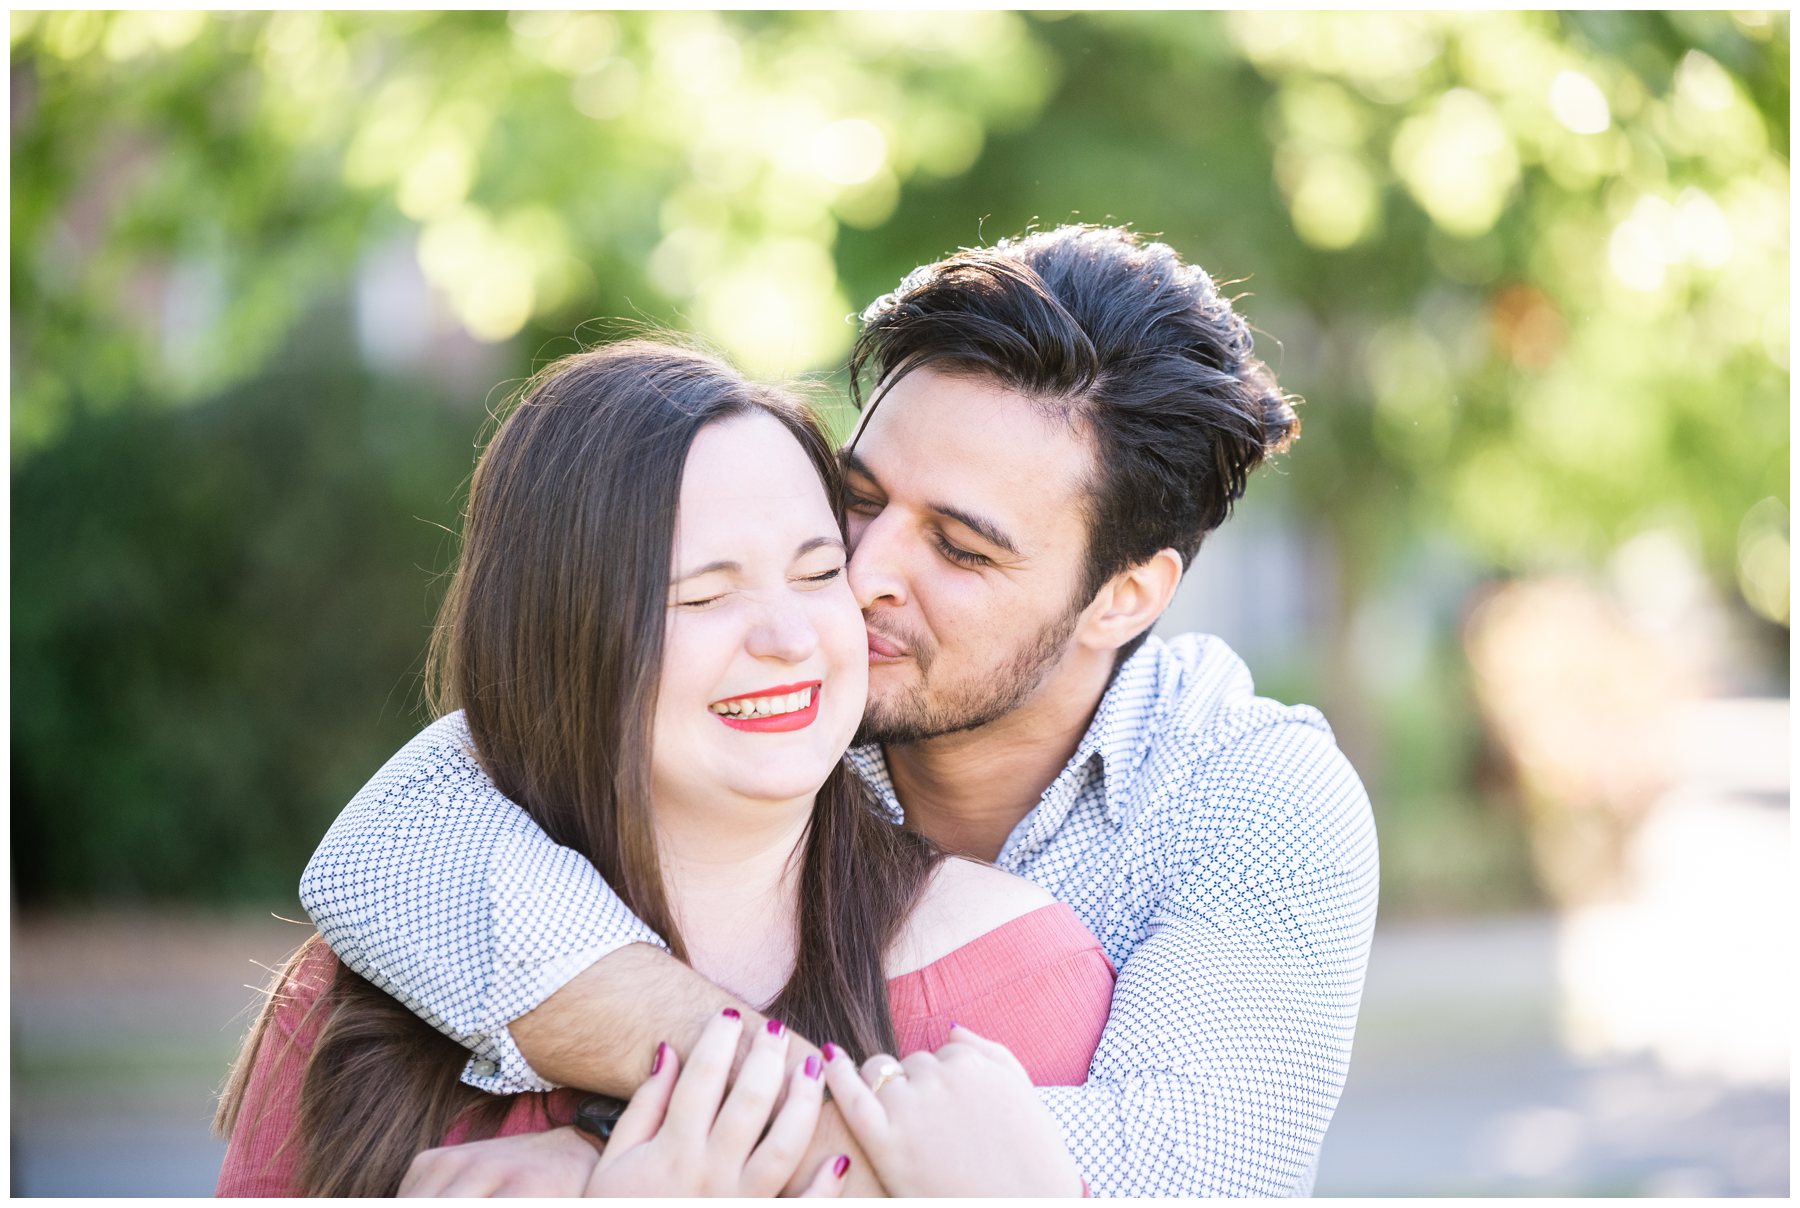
[[968, 535]]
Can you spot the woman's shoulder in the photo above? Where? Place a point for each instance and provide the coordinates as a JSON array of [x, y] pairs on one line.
[[306, 979], [260, 1156], [1011, 963], [964, 900]]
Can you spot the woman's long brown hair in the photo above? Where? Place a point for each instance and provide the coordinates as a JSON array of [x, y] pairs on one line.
[[550, 640]]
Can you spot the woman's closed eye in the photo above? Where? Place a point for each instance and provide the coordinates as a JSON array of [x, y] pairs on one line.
[[817, 578]]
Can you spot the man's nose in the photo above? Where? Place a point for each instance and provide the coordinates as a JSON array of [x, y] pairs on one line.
[[783, 631], [875, 570]]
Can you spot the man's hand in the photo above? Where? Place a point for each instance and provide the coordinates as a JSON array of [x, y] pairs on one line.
[[554, 1163], [963, 1121]]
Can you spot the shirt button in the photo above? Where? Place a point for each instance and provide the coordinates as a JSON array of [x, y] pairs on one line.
[[485, 1068]]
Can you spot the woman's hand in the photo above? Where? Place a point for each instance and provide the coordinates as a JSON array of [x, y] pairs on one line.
[[962, 1121], [675, 1137], [553, 1163]]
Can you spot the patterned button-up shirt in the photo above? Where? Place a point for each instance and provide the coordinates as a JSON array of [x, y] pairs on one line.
[[1218, 844]]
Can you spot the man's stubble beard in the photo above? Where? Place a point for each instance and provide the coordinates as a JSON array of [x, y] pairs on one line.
[[915, 717]]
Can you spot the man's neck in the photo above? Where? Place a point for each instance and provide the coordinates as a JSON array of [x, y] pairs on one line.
[[968, 791]]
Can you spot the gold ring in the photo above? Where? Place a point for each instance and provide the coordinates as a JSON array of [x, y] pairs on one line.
[[889, 1072]]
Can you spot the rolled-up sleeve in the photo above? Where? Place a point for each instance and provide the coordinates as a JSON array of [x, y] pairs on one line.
[[446, 894]]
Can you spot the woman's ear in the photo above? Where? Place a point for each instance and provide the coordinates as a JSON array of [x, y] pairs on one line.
[[1131, 601]]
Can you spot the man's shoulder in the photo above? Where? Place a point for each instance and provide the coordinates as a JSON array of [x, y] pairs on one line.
[[1222, 759], [1205, 698]]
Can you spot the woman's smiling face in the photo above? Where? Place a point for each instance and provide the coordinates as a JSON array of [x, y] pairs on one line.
[[765, 660]]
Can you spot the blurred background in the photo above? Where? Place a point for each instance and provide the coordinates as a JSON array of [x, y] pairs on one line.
[[272, 271]]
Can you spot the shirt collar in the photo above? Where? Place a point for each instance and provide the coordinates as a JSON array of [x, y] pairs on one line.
[[1123, 725], [1119, 735], [870, 765]]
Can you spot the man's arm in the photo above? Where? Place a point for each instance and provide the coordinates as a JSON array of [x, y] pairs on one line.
[[1230, 1030], [595, 1031], [444, 893], [440, 890], [599, 1031], [562, 1162]]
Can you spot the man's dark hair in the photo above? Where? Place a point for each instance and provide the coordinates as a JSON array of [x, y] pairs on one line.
[[1113, 332]]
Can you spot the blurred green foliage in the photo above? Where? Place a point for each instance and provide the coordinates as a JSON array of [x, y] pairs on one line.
[[1529, 268]]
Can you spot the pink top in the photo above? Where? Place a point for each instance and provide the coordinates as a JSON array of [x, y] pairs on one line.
[[1040, 984]]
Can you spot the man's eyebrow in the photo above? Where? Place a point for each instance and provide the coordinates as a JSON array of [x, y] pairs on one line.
[[857, 465], [987, 530], [729, 567]]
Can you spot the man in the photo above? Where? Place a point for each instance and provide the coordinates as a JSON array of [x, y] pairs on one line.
[[1057, 422]]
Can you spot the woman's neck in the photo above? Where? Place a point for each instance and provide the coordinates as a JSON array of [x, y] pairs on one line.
[[732, 872]]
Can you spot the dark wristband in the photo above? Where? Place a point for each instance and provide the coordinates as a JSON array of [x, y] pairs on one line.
[[598, 1115]]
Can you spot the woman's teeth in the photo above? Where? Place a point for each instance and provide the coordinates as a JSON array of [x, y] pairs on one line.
[[765, 706]]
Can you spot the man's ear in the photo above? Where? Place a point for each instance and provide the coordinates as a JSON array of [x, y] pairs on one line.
[[1130, 602]]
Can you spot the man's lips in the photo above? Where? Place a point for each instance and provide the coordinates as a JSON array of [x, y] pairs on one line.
[[882, 649]]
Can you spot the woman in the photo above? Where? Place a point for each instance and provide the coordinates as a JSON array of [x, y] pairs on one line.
[[655, 652]]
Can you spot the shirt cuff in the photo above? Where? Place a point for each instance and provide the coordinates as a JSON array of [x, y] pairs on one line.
[[498, 1067], [496, 1064]]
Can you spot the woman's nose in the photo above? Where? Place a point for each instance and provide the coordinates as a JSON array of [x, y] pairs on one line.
[[785, 632]]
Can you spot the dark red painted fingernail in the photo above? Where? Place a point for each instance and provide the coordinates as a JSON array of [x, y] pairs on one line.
[[814, 1067], [731, 1013], [830, 1050], [842, 1166], [776, 1027], [656, 1065]]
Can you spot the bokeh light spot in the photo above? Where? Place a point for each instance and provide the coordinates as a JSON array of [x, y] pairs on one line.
[[1703, 231], [699, 57], [487, 277], [1579, 104], [1763, 558], [1458, 161], [1702, 83], [850, 151], [571, 43], [1335, 204], [70, 35], [777, 310], [437, 179], [133, 34], [1640, 247], [608, 91]]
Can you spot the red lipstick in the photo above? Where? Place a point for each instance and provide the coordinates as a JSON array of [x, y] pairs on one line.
[[799, 719], [777, 690]]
